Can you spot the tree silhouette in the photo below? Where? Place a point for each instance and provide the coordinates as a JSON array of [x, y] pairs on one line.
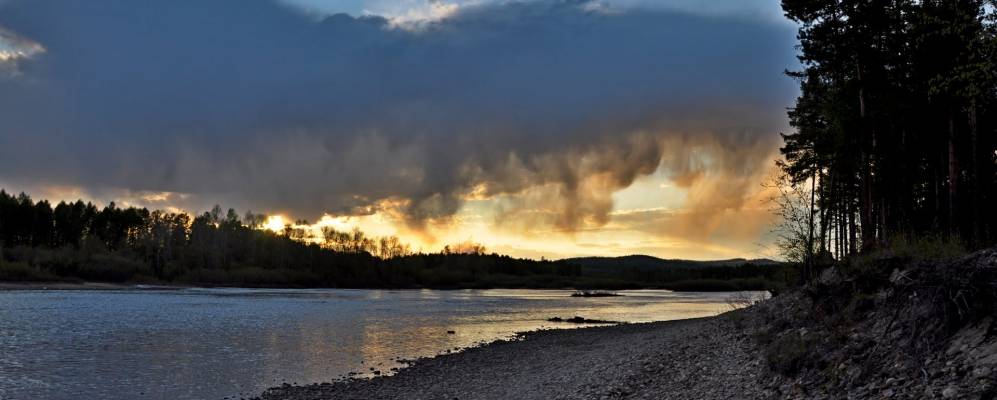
[[896, 124]]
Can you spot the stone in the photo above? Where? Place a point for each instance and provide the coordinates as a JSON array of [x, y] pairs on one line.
[[899, 277], [830, 276], [949, 392]]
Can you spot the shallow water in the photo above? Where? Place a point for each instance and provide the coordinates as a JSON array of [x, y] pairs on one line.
[[217, 343]]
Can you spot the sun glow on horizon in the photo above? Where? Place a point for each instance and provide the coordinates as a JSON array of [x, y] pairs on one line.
[[651, 216], [275, 223]]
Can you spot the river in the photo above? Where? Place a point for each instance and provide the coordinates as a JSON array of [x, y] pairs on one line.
[[218, 343]]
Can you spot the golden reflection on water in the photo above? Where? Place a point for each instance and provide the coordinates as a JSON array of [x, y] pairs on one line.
[[385, 344]]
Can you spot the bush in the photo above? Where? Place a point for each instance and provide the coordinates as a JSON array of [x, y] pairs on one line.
[[111, 268], [787, 354], [60, 262], [924, 248], [23, 272]]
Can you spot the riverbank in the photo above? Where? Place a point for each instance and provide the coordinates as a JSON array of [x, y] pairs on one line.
[[879, 327], [688, 359], [83, 286]]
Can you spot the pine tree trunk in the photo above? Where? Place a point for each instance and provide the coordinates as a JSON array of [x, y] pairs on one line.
[[865, 196], [837, 222], [937, 215], [953, 165], [852, 230], [824, 225], [976, 239], [810, 236]]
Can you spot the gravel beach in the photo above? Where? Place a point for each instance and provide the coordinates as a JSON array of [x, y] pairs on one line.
[[708, 358]]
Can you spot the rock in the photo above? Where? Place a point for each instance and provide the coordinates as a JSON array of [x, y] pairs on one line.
[[981, 372], [949, 392], [830, 276], [899, 277]]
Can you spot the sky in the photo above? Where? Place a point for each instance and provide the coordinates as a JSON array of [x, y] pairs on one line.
[[539, 128]]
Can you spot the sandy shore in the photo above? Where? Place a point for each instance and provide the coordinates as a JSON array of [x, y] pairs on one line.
[[690, 359]]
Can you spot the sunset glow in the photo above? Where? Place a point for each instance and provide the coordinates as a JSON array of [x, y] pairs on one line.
[[275, 223], [651, 216]]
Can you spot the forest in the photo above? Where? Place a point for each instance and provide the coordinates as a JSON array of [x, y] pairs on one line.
[[895, 136], [80, 242]]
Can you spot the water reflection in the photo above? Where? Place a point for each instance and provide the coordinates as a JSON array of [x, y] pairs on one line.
[[212, 343]]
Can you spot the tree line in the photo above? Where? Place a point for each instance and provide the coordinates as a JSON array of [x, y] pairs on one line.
[[896, 125], [79, 241]]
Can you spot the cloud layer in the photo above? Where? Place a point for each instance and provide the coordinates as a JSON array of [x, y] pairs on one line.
[[554, 104]]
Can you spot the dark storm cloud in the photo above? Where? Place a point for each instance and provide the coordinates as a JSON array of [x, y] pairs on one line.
[[252, 102]]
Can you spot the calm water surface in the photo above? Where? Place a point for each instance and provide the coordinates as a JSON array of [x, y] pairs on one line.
[[217, 343]]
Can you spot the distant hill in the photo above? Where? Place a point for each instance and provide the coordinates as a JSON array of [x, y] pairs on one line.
[[648, 263]]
